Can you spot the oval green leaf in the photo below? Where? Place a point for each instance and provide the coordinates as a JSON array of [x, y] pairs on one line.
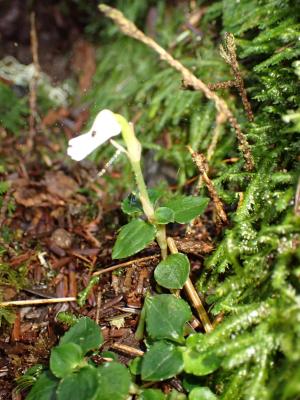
[[162, 361], [65, 359], [164, 215], [166, 316], [113, 382], [173, 272], [79, 385], [85, 333], [187, 208], [151, 394], [133, 238], [44, 388], [202, 393], [200, 363], [132, 206]]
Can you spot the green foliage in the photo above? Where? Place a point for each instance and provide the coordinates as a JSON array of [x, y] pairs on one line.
[[12, 109], [252, 277], [162, 361], [164, 215], [186, 208], [29, 378], [166, 316], [82, 296], [71, 375], [202, 393], [133, 238], [65, 358], [173, 272], [85, 334]]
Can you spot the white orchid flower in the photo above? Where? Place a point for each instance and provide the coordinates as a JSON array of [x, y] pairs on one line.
[[104, 128]]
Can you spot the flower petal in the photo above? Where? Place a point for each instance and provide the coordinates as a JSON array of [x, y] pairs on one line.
[[104, 127]]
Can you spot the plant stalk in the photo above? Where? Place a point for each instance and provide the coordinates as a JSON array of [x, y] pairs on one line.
[[134, 154], [193, 295]]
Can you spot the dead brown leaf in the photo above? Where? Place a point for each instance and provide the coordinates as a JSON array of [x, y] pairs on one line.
[[60, 185]]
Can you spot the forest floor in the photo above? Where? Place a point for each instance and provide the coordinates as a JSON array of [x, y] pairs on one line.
[[62, 229]]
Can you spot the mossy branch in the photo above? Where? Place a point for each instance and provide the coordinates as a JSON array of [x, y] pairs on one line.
[[129, 28]]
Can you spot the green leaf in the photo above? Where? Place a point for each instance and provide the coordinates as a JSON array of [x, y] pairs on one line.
[[162, 361], [132, 206], [173, 272], [198, 358], [135, 366], [151, 394], [30, 377], [174, 395], [44, 388], [187, 208], [79, 385], [86, 333], [133, 238], [164, 215], [65, 358], [113, 382], [202, 393], [166, 316]]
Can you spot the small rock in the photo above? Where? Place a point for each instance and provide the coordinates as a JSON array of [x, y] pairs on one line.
[[61, 238]]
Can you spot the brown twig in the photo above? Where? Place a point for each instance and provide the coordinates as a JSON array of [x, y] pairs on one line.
[[200, 161], [189, 78], [36, 301], [125, 264], [228, 52], [127, 349], [222, 85], [98, 309], [192, 294], [220, 119], [34, 81]]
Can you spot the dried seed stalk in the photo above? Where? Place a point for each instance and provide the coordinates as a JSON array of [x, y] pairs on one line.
[[200, 161], [228, 52]]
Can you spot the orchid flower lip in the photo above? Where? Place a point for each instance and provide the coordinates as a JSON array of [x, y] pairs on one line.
[[105, 126]]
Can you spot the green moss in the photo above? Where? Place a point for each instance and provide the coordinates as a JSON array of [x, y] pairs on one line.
[[251, 276]]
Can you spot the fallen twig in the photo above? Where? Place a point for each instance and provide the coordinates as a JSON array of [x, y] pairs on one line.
[[127, 349], [36, 301], [126, 264], [34, 81], [200, 161]]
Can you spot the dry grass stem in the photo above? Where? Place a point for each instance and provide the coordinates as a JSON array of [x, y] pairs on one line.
[[200, 161], [34, 81], [98, 309], [126, 264], [189, 79], [193, 295], [220, 119], [36, 301], [132, 351]]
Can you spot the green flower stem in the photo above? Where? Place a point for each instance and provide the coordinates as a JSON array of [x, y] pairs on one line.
[[134, 150], [143, 193]]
